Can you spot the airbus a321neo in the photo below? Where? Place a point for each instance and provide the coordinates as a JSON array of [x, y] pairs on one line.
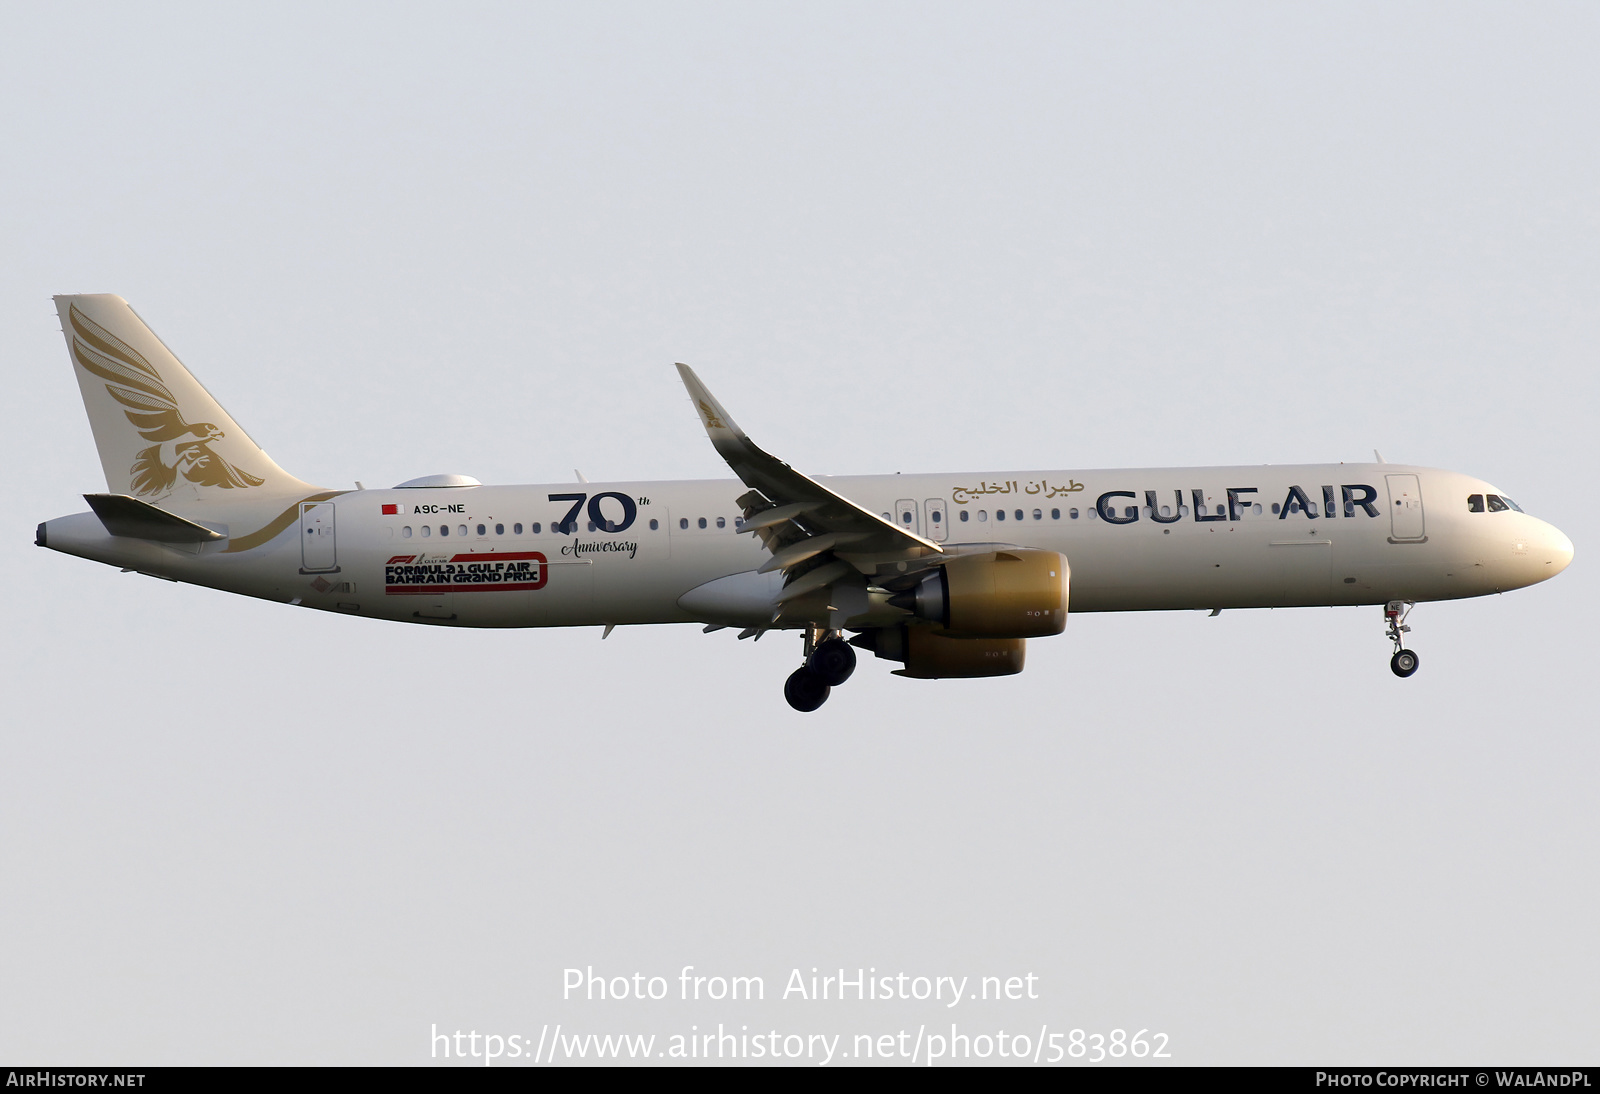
[[947, 575]]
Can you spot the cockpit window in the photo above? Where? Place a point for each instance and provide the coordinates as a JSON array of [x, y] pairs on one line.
[[1511, 503], [1495, 504], [1474, 503]]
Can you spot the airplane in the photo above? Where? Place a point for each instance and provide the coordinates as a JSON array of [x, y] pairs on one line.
[[946, 575]]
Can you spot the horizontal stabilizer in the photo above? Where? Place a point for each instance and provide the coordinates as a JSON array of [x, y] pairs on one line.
[[135, 519]]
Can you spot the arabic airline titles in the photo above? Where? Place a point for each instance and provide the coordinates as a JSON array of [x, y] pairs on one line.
[[944, 575]]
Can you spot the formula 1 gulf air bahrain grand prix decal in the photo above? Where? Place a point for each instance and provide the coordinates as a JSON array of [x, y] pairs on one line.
[[500, 572]]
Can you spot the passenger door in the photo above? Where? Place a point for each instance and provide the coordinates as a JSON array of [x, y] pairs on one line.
[[1405, 508]]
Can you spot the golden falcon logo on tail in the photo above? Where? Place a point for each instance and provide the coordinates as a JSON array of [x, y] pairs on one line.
[[179, 448]]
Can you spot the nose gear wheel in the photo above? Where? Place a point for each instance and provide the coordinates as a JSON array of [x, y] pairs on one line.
[[1404, 661]]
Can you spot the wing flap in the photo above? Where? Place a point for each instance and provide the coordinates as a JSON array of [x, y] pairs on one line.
[[778, 514], [812, 580], [793, 555]]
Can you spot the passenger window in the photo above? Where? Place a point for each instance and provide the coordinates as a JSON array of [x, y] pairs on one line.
[[516, 529], [1133, 510], [499, 529], [1221, 512], [889, 517], [683, 522], [964, 514], [482, 531], [936, 516], [1256, 509], [1018, 514], [535, 527], [905, 518], [1055, 514], [591, 525], [983, 515], [461, 530], [1038, 514], [1474, 503], [444, 529], [1166, 510], [1495, 504], [406, 531], [654, 524], [702, 522], [999, 514], [427, 530], [1183, 510], [722, 522], [1094, 514], [1072, 514], [1274, 508]]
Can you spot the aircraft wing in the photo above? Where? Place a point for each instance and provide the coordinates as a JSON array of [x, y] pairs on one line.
[[808, 520]]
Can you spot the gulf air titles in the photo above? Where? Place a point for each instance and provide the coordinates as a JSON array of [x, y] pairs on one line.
[[947, 575]]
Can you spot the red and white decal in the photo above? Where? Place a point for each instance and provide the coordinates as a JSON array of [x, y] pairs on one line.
[[507, 572]]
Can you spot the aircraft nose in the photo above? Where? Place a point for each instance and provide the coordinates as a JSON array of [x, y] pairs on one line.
[[1557, 549]]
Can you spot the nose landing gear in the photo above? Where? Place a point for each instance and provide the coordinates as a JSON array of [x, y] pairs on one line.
[[829, 662], [1404, 661]]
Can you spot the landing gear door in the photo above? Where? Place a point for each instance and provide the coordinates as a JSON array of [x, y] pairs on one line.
[[1405, 508], [318, 554], [905, 515], [937, 528]]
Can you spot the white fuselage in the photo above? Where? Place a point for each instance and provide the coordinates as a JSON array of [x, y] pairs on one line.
[[496, 556]]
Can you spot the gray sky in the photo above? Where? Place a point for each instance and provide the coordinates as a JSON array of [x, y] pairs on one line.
[[400, 241]]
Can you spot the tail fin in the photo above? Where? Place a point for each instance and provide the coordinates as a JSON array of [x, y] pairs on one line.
[[160, 434]]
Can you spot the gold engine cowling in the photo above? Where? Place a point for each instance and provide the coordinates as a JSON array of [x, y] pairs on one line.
[[1016, 592], [929, 655]]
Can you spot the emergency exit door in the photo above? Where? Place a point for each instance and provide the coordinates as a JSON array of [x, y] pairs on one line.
[[937, 529], [318, 554], [1405, 508], [905, 515]]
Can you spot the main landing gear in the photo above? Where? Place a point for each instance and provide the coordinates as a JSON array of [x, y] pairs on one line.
[[829, 662], [1404, 662]]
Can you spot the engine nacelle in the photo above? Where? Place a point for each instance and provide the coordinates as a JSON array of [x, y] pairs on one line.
[[929, 655], [1017, 592]]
